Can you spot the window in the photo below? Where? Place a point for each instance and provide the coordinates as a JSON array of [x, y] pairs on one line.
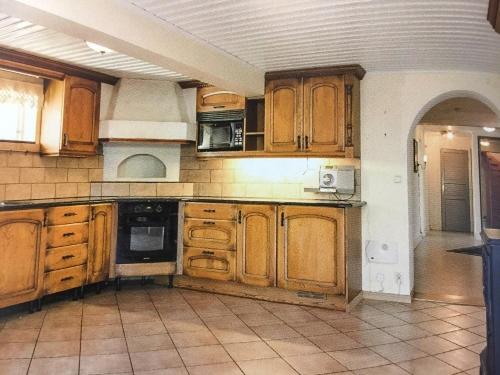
[[20, 101]]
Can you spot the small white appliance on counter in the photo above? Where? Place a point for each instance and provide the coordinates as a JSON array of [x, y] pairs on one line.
[[337, 179]]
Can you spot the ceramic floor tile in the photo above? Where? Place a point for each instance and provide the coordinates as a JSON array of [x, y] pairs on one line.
[[350, 324], [414, 316], [398, 352], [462, 359], [407, 332], [101, 320], [276, 332], [14, 366], [232, 335], [59, 334], [105, 364], [258, 319], [372, 337], [463, 337], [149, 343], [140, 316], [477, 348], [18, 335], [250, 350], [440, 312], [355, 359], [59, 366], [382, 370], [313, 328], [57, 349], [103, 346], [197, 338], [437, 327], [428, 366], [314, 364], [144, 329], [229, 368], [154, 360], [433, 345], [479, 330], [464, 321], [204, 355], [295, 346], [34, 320], [180, 325], [110, 331], [337, 341], [270, 366]]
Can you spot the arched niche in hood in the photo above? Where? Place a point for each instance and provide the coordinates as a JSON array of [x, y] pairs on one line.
[[142, 166]]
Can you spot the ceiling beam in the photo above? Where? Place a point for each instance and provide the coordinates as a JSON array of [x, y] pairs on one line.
[[127, 29]]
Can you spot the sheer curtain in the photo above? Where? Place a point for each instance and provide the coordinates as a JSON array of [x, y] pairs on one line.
[[19, 103]]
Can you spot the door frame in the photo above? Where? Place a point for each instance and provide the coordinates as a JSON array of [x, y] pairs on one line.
[[479, 139]]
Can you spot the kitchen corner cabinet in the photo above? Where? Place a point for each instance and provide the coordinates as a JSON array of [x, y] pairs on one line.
[[22, 256], [100, 238], [311, 249], [212, 99], [256, 245], [316, 115], [70, 117]]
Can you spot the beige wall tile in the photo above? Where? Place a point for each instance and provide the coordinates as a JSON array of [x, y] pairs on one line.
[[195, 176], [211, 164], [118, 189], [95, 174], [188, 189], [233, 190], [83, 189], [188, 150], [229, 163], [53, 175], [286, 190], [32, 175], [3, 159], [138, 189], [43, 191], [17, 192], [170, 189], [91, 162], [95, 189], [44, 161], [101, 161], [9, 175], [189, 162], [259, 190], [210, 190], [78, 175], [221, 175], [20, 159], [65, 190], [67, 162], [2, 192]]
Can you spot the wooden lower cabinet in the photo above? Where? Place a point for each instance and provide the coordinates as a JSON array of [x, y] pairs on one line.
[[210, 263], [64, 279], [311, 252], [256, 245], [212, 234], [101, 231], [22, 255]]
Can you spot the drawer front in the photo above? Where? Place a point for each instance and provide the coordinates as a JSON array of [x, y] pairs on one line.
[[67, 215], [210, 264], [65, 235], [215, 211], [212, 234], [67, 278], [66, 256]]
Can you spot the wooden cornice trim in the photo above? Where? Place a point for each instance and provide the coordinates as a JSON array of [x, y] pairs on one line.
[[40, 66], [494, 14], [357, 70], [192, 84]]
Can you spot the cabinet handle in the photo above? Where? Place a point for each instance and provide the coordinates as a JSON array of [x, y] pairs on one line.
[[67, 214], [239, 217], [206, 252], [68, 234], [209, 210], [209, 223], [307, 142], [65, 139], [67, 278], [298, 142], [282, 219], [219, 106], [65, 257], [45, 218], [92, 213]]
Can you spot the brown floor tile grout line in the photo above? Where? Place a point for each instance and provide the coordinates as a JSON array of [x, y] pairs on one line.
[[123, 330], [36, 343]]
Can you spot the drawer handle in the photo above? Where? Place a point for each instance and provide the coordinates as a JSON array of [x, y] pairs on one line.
[[209, 210], [68, 214], [206, 252], [67, 278], [68, 234], [209, 222], [68, 256]]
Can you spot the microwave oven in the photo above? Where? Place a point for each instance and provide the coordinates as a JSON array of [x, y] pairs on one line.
[[220, 132]]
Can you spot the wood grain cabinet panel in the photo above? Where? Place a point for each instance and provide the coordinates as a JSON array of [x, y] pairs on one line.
[[311, 249], [209, 263], [66, 256], [101, 232], [67, 234], [324, 114], [283, 113], [64, 279], [210, 99], [67, 214], [22, 256], [212, 234], [213, 211], [256, 250]]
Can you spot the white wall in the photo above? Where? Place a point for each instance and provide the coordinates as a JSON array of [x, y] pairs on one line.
[[392, 103]]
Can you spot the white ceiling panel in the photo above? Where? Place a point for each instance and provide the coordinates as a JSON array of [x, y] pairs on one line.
[[24, 36], [378, 34]]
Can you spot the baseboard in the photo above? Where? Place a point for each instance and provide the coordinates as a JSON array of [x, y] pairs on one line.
[[401, 298]]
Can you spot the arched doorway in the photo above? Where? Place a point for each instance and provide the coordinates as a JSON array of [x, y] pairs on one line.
[[444, 196]]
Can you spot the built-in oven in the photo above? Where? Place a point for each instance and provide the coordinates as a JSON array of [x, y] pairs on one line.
[[220, 131], [147, 231]]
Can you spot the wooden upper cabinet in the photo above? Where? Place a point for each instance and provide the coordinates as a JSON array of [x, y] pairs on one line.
[[70, 117], [22, 256], [283, 113], [256, 250], [99, 249], [211, 99], [324, 109], [311, 253]]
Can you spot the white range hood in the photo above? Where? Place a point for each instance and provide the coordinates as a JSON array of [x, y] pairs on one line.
[[146, 131]]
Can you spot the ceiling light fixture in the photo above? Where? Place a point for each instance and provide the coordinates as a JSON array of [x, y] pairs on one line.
[[488, 129], [484, 143], [98, 48]]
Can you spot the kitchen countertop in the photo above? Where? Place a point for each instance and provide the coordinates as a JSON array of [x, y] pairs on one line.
[[40, 203]]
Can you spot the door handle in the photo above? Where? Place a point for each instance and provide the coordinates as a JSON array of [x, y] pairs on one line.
[[65, 139], [67, 278], [306, 141], [239, 217], [298, 142], [282, 219], [68, 234], [65, 257]]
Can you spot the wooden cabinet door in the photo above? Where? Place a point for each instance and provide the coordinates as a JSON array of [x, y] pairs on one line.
[[256, 249], [311, 249], [283, 128], [209, 264], [81, 116], [101, 231], [324, 112], [22, 256], [211, 99], [212, 234]]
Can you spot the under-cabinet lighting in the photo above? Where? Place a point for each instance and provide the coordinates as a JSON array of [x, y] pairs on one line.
[[488, 129], [484, 143], [98, 48]]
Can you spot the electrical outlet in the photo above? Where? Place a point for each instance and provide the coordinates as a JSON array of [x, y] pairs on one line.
[[398, 278]]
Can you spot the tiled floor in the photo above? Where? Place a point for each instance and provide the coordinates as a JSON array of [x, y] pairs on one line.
[[157, 331], [446, 276]]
